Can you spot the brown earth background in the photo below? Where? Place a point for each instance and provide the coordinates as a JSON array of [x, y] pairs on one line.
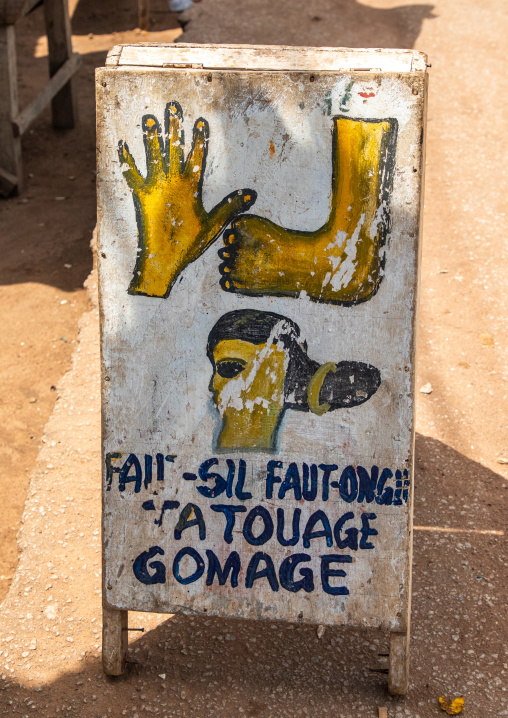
[[214, 667]]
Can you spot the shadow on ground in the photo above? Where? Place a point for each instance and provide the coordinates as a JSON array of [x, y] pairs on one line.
[[95, 16], [319, 23]]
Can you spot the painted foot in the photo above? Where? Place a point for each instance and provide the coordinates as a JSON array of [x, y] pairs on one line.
[[341, 262], [174, 229]]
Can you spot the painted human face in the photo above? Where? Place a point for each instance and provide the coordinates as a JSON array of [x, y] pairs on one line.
[[248, 390]]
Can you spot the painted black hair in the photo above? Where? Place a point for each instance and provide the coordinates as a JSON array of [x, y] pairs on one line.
[[251, 325], [351, 384]]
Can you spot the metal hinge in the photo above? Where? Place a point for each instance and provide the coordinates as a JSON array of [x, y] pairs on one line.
[[184, 65]]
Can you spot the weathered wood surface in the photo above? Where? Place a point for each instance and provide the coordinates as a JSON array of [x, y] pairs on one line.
[[8, 183], [272, 57], [398, 676], [10, 145], [13, 10], [114, 640], [55, 84], [190, 390], [62, 65], [58, 31]]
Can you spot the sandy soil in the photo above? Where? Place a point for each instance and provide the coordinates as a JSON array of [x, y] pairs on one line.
[[45, 245], [50, 629]]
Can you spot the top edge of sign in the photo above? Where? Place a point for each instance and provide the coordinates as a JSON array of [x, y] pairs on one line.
[[266, 57]]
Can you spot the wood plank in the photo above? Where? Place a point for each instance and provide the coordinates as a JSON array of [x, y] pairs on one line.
[[55, 84], [398, 677], [10, 145], [32, 5], [270, 57], [13, 10], [58, 30], [144, 14], [114, 56], [8, 183], [114, 640], [213, 365]]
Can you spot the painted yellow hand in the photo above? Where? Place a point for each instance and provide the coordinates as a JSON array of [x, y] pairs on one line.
[[174, 229]]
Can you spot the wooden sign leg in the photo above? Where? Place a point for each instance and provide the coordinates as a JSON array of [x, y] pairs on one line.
[[398, 676], [10, 145], [114, 640]]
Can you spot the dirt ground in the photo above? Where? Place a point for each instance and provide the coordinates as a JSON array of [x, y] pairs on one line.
[[45, 244], [50, 629]]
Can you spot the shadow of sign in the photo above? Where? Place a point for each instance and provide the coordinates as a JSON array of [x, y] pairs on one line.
[[201, 666], [320, 23]]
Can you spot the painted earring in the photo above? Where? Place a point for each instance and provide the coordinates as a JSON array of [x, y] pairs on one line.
[[314, 388]]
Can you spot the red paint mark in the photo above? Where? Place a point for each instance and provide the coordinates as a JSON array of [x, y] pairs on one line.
[[272, 148], [367, 94]]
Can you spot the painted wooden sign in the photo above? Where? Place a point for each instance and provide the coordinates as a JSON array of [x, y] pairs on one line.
[[259, 216]]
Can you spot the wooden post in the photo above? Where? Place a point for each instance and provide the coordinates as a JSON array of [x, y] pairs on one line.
[[33, 110], [10, 145], [58, 30], [144, 14], [398, 676], [114, 640]]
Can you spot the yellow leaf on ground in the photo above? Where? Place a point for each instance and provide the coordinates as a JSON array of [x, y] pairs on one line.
[[453, 708], [487, 340]]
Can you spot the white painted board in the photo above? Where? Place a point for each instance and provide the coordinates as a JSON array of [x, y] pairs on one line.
[[258, 361], [273, 57]]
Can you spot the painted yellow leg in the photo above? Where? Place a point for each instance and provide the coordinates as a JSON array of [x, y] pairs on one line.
[[174, 228], [341, 262]]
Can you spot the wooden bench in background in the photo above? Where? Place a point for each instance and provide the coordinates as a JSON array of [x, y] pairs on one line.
[[63, 63]]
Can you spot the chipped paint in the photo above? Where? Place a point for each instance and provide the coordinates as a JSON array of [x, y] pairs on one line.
[[267, 370]]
